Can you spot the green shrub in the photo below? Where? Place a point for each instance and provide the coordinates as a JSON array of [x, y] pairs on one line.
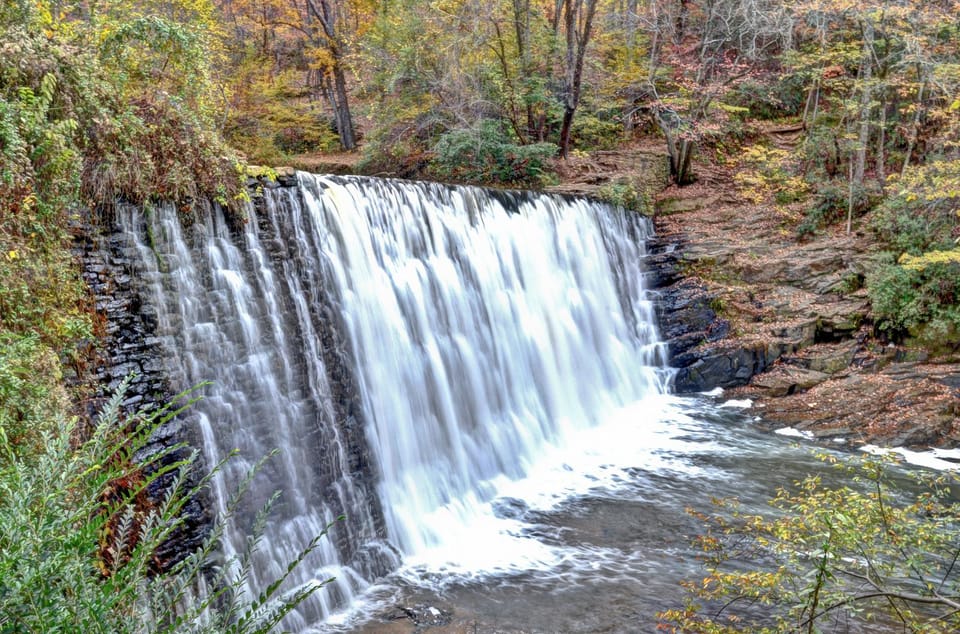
[[870, 553], [919, 298], [30, 393], [78, 538], [159, 151], [819, 152], [781, 97], [485, 154], [590, 132], [921, 213], [84, 118]]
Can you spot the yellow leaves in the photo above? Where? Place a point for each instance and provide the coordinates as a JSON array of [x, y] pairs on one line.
[[28, 203], [820, 535], [759, 155], [46, 17], [320, 58], [921, 262], [766, 175], [931, 183]]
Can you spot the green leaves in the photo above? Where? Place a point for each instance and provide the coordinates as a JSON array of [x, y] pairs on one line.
[[486, 154], [918, 301], [877, 549], [79, 537]]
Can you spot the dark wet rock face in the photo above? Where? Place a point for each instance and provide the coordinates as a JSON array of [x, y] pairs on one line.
[[731, 305], [697, 338], [422, 615], [127, 343], [128, 347]]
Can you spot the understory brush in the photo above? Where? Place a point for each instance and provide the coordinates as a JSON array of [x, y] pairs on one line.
[[916, 291], [877, 550], [919, 297], [81, 526], [487, 154], [766, 173]]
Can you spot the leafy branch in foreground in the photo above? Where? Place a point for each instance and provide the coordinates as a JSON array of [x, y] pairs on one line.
[[871, 551], [80, 537]]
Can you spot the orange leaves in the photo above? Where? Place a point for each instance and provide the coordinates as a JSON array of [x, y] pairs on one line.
[[831, 72]]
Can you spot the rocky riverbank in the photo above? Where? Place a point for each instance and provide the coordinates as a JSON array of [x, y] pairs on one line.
[[787, 324]]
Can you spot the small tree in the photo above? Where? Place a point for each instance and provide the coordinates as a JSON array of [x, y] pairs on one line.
[[715, 45], [869, 551], [577, 28]]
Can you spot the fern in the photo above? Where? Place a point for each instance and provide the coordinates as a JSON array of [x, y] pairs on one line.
[[54, 518]]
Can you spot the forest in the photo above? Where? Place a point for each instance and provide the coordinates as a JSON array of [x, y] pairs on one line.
[[172, 100]]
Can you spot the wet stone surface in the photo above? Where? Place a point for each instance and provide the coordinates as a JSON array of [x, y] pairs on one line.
[[786, 323], [127, 347]]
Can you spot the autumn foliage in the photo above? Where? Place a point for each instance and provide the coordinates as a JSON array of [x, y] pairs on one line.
[[842, 115]]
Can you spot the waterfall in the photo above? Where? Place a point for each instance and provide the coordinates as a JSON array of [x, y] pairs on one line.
[[411, 349]]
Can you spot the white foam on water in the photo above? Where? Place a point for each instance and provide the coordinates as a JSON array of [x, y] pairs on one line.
[[939, 459], [652, 435], [745, 403]]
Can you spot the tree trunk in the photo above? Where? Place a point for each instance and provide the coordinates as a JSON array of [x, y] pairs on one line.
[[327, 16], [630, 26], [914, 129], [342, 109], [811, 105], [568, 113], [521, 25], [683, 173], [679, 150], [881, 143], [680, 25], [866, 93], [850, 197], [578, 22]]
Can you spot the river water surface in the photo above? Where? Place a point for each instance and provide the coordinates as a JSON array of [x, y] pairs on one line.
[[472, 378], [598, 538]]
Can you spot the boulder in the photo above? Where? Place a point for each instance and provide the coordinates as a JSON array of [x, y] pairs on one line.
[[669, 206], [725, 367], [785, 380]]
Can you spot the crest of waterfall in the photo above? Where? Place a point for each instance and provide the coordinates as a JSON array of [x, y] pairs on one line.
[[408, 347]]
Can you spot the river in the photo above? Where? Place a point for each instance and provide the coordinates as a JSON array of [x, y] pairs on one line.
[[472, 378]]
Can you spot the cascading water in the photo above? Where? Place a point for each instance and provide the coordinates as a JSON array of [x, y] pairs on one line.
[[484, 329], [441, 365], [233, 310]]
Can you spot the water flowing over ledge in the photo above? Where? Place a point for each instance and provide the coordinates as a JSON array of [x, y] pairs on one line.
[[414, 350]]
